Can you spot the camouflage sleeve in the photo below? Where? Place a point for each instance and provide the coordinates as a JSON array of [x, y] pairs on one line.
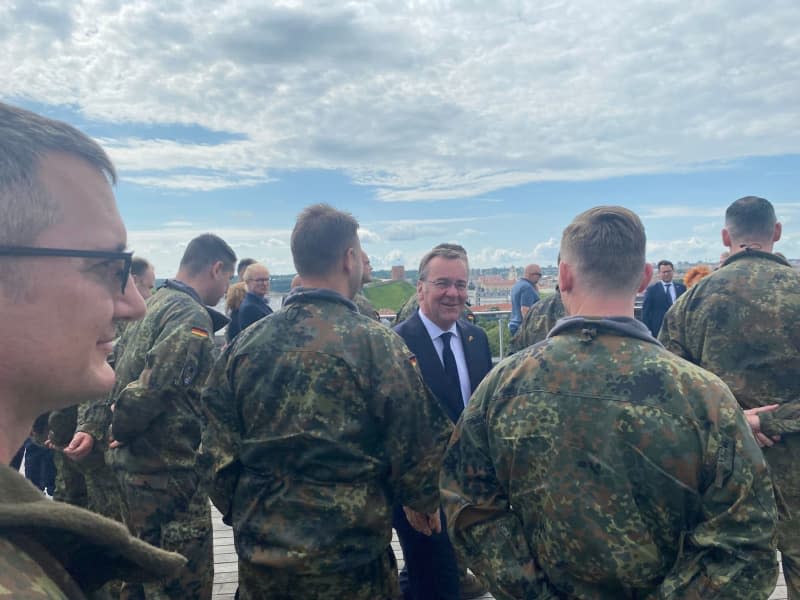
[[730, 554], [175, 368], [673, 330], [486, 534], [94, 417], [221, 437], [784, 419], [416, 430]]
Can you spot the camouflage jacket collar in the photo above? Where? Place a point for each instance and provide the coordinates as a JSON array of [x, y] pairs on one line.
[[307, 295], [753, 253], [218, 320], [589, 328], [106, 547]]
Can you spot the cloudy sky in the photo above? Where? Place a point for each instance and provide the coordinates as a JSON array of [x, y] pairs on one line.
[[487, 123]]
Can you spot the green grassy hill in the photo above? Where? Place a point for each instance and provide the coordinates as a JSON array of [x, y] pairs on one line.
[[389, 294]]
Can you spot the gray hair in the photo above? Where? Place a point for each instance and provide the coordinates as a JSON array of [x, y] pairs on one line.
[[447, 251], [25, 138]]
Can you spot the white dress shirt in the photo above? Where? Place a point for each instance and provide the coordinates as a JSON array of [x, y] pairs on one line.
[[456, 344], [671, 289]]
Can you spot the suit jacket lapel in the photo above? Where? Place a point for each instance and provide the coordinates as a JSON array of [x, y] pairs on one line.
[[469, 354], [432, 369]]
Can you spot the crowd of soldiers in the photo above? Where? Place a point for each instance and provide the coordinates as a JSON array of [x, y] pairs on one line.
[[596, 462]]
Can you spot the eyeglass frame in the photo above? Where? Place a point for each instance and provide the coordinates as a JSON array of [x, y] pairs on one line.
[[445, 284], [70, 253]]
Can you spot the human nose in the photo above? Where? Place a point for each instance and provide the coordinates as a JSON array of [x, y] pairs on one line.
[[129, 306]]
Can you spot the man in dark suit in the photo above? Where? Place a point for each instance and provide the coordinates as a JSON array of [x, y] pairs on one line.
[[660, 296], [453, 357]]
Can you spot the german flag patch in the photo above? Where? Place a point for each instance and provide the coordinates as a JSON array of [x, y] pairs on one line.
[[199, 332], [413, 360]]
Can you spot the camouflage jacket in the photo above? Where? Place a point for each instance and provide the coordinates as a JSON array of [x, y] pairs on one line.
[[54, 550], [742, 323], [597, 465], [162, 363], [365, 307], [538, 322], [318, 422]]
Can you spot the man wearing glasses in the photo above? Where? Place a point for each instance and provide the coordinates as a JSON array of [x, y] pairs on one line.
[[523, 296], [454, 357], [660, 296], [60, 231]]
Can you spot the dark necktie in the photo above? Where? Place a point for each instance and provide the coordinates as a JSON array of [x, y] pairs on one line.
[[450, 368], [669, 294]]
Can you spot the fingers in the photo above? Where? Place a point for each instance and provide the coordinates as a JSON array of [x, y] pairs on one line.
[[80, 446], [418, 521], [760, 409], [765, 441]]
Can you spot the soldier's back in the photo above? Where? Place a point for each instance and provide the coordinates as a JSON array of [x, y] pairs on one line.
[[602, 441], [318, 421], [742, 323]]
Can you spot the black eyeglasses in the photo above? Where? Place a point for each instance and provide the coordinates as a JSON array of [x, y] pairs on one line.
[[123, 273]]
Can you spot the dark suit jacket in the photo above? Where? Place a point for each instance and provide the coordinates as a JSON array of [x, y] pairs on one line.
[[655, 305], [252, 309], [476, 352]]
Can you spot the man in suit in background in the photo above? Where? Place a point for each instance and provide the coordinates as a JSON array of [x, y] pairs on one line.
[[660, 296], [453, 357]]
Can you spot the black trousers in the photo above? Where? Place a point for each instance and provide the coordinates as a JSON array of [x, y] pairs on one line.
[[430, 560]]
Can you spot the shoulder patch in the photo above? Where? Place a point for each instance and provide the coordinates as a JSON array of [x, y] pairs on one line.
[[199, 332], [413, 360]]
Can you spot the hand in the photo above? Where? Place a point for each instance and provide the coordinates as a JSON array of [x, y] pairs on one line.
[[112, 443], [426, 524], [80, 446], [751, 414], [766, 441]]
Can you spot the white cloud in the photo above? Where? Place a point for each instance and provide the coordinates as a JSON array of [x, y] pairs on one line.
[[367, 236], [410, 231], [689, 249], [677, 211], [393, 258], [491, 257], [423, 101], [547, 251], [164, 246], [468, 233]]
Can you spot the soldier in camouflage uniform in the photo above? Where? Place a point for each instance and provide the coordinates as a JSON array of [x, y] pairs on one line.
[[742, 323], [64, 281], [70, 483], [363, 304], [161, 364], [318, 420], [598, 465], [538, 322]]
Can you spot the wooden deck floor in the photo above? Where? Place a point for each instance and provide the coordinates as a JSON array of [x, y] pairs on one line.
[[225, 575]]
